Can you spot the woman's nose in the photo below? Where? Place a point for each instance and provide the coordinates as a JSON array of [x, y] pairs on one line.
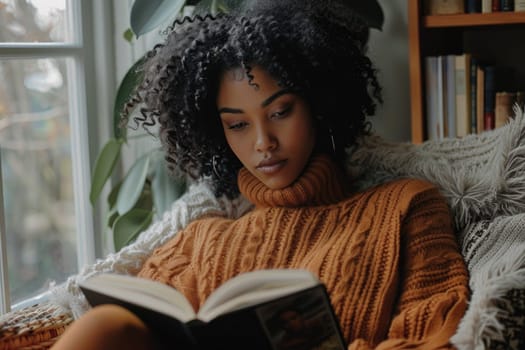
[[266, 140]]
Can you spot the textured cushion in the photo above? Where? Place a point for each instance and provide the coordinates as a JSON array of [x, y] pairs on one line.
[[482, 176], [494, 252], [35, 327], [511, 316]]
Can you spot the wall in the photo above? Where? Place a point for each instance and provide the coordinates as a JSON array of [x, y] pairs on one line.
[[389, 51]]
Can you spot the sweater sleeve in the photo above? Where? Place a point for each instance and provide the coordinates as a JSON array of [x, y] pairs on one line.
[[433, 280], [171, 264]]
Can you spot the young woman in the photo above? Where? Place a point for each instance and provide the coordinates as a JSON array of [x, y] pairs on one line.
[[268, 103]]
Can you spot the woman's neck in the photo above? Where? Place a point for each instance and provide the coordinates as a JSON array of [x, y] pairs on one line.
[[321, 183]]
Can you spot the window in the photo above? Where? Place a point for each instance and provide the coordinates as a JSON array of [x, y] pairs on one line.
[[46, 221]]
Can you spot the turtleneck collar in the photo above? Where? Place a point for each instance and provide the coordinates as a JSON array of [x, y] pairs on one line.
[[321, 183]]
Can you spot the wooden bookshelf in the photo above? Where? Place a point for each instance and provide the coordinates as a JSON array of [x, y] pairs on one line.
[[476, 19], [454, 34]]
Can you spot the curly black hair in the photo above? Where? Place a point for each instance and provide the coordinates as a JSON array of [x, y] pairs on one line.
[[317, 48]]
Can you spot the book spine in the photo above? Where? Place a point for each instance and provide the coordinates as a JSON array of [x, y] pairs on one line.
[[473, 6], [462, 91], [441, 118], [489, 99], [445, 7], [480, 99], [473, 96], [486, 6], [503, 108], [507, 5], [519, 5], [450, 96], [431, 85]]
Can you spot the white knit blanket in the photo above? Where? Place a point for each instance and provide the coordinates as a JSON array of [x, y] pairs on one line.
[[481, 176]]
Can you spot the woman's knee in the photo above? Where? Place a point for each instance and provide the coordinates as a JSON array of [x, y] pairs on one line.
[[114, 318], [107, 327]]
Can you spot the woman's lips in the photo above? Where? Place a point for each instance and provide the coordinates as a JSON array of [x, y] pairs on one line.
[[271, 167]]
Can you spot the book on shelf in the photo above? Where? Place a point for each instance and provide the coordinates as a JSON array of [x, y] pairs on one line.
[[254, 310], [462, 74], [519, 5], [480, 98], [450, 94], [489, 98], [503, 107], [441, 104], [444, 7], [486, 6], [506, 5], [473, 6], [496, 6], [473, 95], [434, 104]]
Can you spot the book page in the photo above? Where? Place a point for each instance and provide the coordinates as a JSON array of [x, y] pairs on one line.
[[148, 293], [255, 287]]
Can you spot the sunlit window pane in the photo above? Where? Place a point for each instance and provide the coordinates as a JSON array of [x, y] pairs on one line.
[[33, 21], [37, 174]]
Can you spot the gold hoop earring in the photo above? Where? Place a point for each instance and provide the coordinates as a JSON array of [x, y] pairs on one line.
[[332, 139], [330, 132]]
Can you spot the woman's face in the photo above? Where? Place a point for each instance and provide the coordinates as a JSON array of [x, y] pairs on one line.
[[269, 128]]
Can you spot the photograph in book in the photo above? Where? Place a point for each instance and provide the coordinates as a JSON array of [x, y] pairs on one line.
[[249, 309], [301, 322]]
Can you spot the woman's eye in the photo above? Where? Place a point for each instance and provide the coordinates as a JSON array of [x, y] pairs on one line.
[[237, 126], [281, 113]]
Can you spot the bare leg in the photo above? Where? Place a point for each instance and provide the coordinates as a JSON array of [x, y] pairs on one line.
[[107, 327]]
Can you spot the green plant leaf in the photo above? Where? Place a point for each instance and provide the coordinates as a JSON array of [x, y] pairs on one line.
[[104, 166], [128, 226], [112, 216], [203, 7], [127, 86], [146, 15], [145, 200], [165, 188], [128, 35], [113, 195], [230, 4], [133, 184]]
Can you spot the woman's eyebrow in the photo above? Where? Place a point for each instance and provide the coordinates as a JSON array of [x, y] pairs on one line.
[[264, 103], [274, 96], [230, 110]]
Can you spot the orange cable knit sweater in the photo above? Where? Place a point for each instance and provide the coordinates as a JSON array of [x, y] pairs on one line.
[[388, 255]]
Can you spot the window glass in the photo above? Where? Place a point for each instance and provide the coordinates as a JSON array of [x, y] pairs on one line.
[[33, 21], [35, 148]]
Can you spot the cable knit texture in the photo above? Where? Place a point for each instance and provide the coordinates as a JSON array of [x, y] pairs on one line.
[[388, 255], [482, 176], [198, 202]]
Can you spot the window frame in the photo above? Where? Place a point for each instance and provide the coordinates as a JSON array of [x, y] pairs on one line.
[[91, 89]]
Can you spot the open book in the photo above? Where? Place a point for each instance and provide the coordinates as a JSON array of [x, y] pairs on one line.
[[265, 309]]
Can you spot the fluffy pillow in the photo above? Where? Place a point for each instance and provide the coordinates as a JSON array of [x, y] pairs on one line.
[[482, 176], [494, 252]]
